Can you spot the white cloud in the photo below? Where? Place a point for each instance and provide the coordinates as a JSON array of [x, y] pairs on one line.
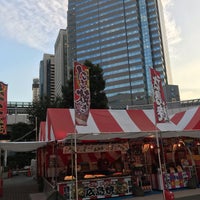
[[36, 22], [33, 22], [173, 32]]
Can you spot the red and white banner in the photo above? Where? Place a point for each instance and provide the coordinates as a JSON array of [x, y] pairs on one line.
[[160, 106], [81, 94], [3, 108]]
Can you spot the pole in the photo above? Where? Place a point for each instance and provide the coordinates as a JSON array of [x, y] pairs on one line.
[[1, 177], [36, 129], [75, 157], [160, 164]]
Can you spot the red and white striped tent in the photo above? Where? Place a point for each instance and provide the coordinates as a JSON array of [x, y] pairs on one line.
[[187, 120], [104, 124]]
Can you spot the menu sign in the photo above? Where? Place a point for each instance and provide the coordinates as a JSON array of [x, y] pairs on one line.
[[90, 148]]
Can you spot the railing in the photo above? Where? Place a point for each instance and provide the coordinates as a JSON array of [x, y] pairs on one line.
[[170, 105], [12, 104], [48, 187], [21, 107]]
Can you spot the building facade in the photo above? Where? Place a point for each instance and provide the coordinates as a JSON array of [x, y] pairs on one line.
[[36, 89], [126, 38], [61, 69], [47, 77]]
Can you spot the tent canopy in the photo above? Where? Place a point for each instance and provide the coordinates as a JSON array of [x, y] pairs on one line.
[[21, 146], [108, 124]]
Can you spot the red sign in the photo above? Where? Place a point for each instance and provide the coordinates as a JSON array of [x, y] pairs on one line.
[[81, 94], [3, 108], [160, 106]]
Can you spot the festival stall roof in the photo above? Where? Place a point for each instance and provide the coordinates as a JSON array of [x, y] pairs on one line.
[[187, 120], [42, 131], [110, 124], [22, 146]]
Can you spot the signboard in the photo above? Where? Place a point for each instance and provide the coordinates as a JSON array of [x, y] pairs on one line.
[[92, 148], [160, 106], [3, 108], [97, 188]]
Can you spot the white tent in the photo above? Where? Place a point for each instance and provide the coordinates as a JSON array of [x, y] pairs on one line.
[[21, 146]]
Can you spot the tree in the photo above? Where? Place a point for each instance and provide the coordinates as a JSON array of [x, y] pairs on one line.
[[99, 100], [38, 110], [97, 86], [22, 130]]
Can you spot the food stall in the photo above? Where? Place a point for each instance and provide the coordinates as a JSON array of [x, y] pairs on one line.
[[94, 182], [178, 165], [119, 133]]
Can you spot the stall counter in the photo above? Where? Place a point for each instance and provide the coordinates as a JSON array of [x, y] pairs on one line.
[[176, 180], [99, 188]]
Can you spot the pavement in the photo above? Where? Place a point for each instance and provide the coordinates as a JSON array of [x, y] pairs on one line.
[[179, 194], [19, 187], [22, 187]]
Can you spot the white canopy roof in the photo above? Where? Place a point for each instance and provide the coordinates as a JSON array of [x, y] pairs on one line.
[[21, 146]]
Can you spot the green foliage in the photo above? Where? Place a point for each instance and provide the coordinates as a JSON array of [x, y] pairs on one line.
[[99, 100], [20, 129], [97, 86], [17, 133], [38, 110], [20, 159]]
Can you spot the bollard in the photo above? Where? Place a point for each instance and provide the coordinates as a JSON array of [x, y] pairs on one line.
[[9, 173], [1, 187], [29, 172], [169, 195]]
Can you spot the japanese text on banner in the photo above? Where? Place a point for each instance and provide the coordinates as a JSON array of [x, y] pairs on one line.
[[81, 94], [160, 106]]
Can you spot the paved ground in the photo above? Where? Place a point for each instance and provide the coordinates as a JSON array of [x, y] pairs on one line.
[[181, 194], [20, 187]]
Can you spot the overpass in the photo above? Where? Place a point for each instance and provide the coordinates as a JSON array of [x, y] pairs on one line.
[[177, 106]]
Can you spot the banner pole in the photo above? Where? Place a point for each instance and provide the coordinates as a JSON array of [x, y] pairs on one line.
[[75, 158], [81, 105], [160, 164]]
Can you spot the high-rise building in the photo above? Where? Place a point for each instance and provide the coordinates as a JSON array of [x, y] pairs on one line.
[[36, 89], [47, 77], [61, 69], [126, 38]]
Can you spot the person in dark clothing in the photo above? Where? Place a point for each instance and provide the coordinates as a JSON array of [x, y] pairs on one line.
[[103, 162]]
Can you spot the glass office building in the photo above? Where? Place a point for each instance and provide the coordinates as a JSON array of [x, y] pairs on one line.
[[126, 38]]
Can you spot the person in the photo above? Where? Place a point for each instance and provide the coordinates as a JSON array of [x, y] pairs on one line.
[[103, 163], [118, 165], [70, 165]]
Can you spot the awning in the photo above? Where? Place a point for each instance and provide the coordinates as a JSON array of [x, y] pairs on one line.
[[21, 146], [60, 123], [110, 136], [187, 120], [104, 124]]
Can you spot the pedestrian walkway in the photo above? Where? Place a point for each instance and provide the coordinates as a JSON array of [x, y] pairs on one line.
[[19, 187], [178, 194], [22, 187]]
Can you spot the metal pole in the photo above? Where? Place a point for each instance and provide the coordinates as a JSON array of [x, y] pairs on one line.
[[160, 165], [36, 129], [75, 157]]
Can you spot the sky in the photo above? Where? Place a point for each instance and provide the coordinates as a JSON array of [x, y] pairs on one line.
[[29, 29]]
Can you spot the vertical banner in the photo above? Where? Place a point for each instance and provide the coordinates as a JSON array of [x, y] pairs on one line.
[[81, 94], [3, 108], [160, 106]]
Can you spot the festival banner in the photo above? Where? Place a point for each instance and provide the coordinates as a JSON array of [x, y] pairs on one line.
[[160, 106], [3, 108], [81, 94]]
